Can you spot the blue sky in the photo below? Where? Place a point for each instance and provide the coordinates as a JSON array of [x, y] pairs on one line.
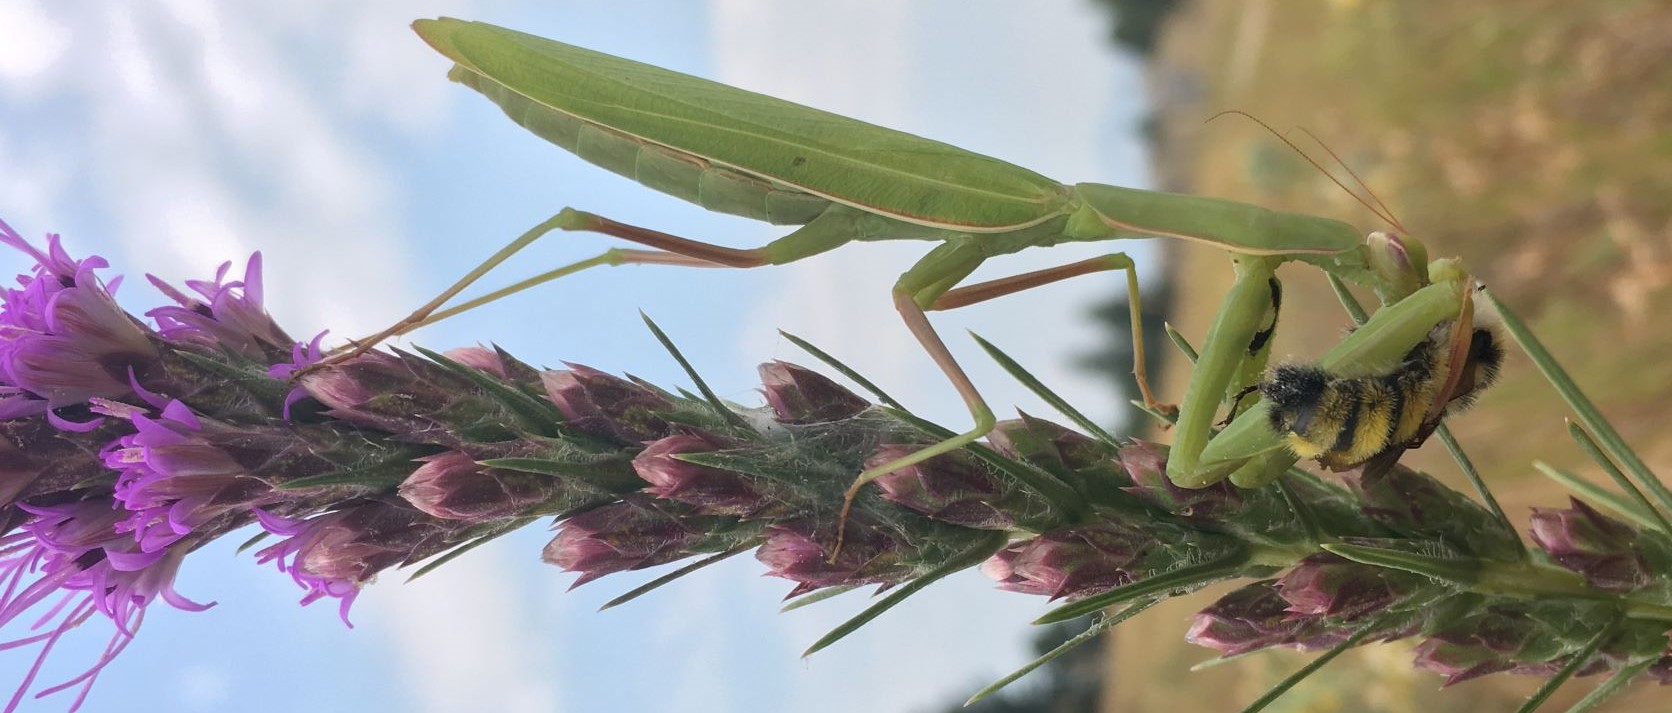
[[171, 136]]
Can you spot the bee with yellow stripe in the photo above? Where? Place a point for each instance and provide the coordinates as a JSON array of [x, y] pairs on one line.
[[1346, 421]]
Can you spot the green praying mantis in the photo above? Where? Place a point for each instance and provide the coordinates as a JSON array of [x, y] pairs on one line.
[[841, 180]]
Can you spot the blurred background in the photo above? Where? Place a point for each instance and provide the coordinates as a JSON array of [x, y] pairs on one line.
[[1531, 138]]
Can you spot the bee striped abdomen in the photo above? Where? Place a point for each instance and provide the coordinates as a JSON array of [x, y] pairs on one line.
[[1344, 421]]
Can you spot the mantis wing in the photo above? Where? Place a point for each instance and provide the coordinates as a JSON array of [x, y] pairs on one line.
[[878, 170]]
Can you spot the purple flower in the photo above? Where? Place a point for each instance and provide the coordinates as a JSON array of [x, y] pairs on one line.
[[229, 316], [452, 486], [619, 537], [1255, 617], [336, 553], [800, 395], [792, 551], [1328, 585], [606, 405], [171, 479], [75, 549], [63, 340], [952, 488], [1071, 563], [1592, 544], [711, 490]]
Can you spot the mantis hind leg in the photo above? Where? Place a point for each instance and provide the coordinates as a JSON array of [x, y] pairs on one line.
[[923, 285], [831, 229]]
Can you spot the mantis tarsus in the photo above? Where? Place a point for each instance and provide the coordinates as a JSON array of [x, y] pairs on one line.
[[842, 180]]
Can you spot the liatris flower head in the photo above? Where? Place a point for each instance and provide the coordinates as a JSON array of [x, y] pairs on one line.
[[337, 553], [1254, 617], [954, 488], [633, 535], [711, 491], [1600, 548], [1415, 504], [799, 395], [172, 479], [230, 315], [1072, 563], [608, 406], [63, 340], [1330, 585], [800, 552], [452, 485]]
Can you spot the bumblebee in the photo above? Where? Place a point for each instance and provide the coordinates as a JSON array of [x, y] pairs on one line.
[[1344, 422]]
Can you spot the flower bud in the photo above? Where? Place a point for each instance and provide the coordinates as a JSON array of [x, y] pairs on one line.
[[1072, 563], [800, 395], [1146, 464], [793, 552], [954, 488], [711, 490], [606, 405], [1249, 618], [1051, 446], [625, 536], [1601, 549], [1413, 503], [1328, 585], [453, 486]]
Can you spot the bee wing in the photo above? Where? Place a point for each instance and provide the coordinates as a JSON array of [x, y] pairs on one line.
[[1381, 462], [1457, 361]]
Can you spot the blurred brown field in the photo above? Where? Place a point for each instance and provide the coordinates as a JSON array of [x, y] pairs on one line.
[[1531, 138]]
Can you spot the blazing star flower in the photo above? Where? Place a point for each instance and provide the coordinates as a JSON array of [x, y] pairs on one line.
[[793, 551], [63, 340], [229, 316], [171, 480], [307, 543], [75, 550]]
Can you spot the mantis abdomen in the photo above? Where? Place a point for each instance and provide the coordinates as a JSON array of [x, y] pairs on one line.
[[681, 175]]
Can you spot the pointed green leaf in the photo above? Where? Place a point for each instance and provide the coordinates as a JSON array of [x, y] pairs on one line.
[[1595, 452], [1097, 629], [653, 584], [714, 402], [817, 596], [1588, 490], [1310, 668], [1464, 572], [253, 541], [1161, 584], [1611, 686], [1021, 374], [456, 552], [842, 369], [613, 474], [532, 414], [1581, 405], [1577, 661], [970, 557]]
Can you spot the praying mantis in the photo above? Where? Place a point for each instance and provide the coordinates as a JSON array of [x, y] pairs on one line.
[[841, 180]]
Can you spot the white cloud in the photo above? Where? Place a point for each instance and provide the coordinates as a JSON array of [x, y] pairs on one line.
[[460, 636], [30, 45]]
